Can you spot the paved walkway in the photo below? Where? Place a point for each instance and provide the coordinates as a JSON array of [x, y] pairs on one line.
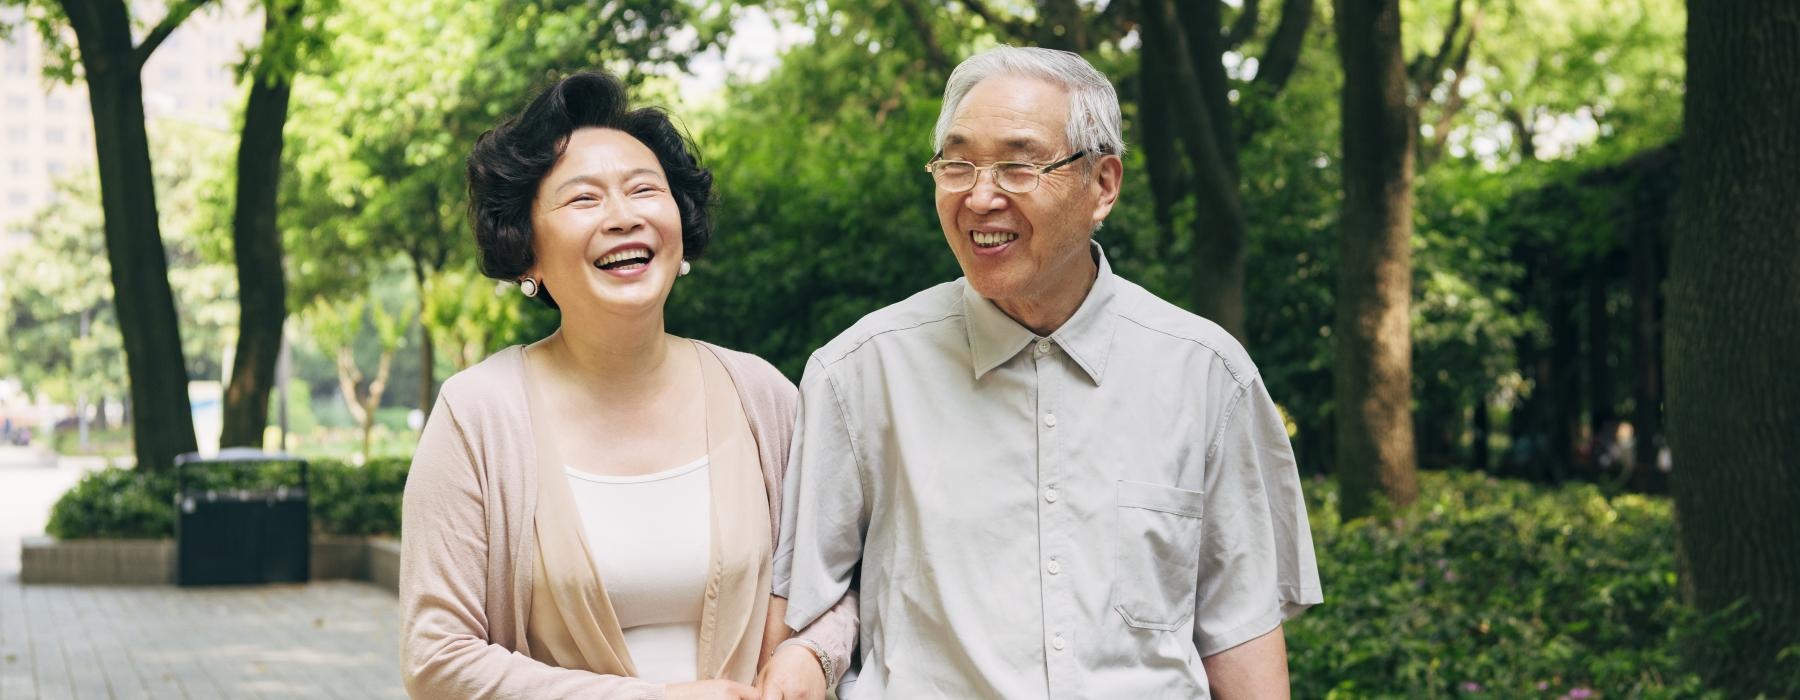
[[335, 639]]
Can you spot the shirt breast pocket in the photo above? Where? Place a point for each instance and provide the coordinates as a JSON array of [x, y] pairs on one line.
[[1157, 554]]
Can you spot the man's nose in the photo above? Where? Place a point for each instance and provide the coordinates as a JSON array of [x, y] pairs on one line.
[[986, 195]]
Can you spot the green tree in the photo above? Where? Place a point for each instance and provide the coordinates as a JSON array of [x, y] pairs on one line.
[[64, 283], [335, 324], [256, 234], [111, 60]]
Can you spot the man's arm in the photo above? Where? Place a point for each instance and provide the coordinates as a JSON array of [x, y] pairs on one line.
[[820, 542], [1254, 669], [1256, 559]]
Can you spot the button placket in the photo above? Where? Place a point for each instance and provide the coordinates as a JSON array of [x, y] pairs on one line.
[[1054, 527]]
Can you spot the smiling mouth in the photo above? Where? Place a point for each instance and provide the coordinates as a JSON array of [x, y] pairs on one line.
[[992, 239], [625, 259]]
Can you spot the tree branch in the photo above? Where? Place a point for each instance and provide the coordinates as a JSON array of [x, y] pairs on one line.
[[1007, 27], [177, 14], [1216, 183], [1198, 25], [1243, 26], [1430, 69], [1282, 55], [934, 52], [1453, 100]]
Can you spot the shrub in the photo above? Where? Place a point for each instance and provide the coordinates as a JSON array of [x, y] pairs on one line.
[[352, 500], [125, 503], [1496, 588], [114, 502]]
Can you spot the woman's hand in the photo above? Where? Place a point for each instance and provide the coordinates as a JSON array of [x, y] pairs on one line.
[[792, 674], [718, 689]]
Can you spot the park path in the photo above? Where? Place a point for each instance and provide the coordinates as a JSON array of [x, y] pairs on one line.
[[336, 639]]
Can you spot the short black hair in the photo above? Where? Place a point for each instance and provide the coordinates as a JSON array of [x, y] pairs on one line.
[[510, 161]]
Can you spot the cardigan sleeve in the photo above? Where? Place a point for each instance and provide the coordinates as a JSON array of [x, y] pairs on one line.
[[770, 402], [444, 629]]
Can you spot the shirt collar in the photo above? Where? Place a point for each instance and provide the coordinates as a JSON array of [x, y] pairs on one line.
[[1087, 336]]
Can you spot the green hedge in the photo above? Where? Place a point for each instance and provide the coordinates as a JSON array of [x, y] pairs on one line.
[[1495, 588], [124, 503]]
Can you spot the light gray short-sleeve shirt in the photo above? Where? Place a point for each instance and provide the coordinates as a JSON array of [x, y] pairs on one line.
[[1083, 515]]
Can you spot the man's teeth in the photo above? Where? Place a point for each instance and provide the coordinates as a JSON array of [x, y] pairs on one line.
[[987, 239], [635, 254]]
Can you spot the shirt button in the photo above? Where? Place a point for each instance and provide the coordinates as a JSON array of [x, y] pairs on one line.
[[1057, 643], [1055, 567], [1050, 419], [1050, 494], [1043, 346]]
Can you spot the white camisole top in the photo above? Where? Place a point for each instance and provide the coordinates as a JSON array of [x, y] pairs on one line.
[[651, 537]]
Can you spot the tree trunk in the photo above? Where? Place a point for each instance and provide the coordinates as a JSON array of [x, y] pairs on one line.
[[363, 403], [1601, 419], [427, 373], [164, 421], [1200, 23], [262, 290], [1734, 320], [427, 353], [1564, 385], [1162, 162], [1647, 274], [1219, 227], [1373, 379]]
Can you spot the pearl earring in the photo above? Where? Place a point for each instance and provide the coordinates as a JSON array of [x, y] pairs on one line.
[[685, 268], [528, 287]]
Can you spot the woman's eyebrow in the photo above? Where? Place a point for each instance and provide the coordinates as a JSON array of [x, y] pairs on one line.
[[595, 180]]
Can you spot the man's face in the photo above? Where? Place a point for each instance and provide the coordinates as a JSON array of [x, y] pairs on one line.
[[1022, 250]]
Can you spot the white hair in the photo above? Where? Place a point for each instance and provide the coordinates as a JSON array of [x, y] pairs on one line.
[[1093, 123]]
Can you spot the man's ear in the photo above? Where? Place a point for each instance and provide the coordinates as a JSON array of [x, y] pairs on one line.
[[1109, 175]]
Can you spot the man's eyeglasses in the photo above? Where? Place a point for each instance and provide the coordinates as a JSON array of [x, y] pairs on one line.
[[1017, 178]]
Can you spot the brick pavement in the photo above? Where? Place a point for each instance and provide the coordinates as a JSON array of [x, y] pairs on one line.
[[335, 639]]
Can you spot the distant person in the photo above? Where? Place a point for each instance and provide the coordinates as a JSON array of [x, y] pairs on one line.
[[592, 515], [1052, 483]]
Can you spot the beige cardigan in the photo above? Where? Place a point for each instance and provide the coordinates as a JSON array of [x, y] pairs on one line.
[[467, 525]]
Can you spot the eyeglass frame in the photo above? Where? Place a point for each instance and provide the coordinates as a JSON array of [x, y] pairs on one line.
[[994, 168]]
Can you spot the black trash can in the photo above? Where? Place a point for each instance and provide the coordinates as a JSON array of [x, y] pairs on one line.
[[241, 535]]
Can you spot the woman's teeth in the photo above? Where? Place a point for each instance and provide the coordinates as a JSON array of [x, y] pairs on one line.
[[987, 239], [625, 260]]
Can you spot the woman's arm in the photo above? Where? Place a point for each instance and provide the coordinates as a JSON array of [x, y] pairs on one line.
[[444, 628], [795, 671]]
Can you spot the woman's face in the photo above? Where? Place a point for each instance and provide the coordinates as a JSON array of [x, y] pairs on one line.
[[606, 232]]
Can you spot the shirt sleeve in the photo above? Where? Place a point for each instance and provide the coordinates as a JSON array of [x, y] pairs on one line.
[[1256, 554], [823, 509]]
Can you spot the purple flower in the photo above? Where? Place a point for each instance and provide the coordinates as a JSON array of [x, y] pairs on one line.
[[1449, 576], [1581, 692], [1543, 685], [1471, 687]]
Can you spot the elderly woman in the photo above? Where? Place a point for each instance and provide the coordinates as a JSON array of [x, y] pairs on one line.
[[592, 515]]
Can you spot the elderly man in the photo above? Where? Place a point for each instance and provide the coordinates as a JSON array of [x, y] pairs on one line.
[[1049, 482]]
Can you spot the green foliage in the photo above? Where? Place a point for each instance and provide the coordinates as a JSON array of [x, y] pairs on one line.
[[1522, 591], [116, 503], [825, 213], [365, 500], [63, 277], [346, 499]]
